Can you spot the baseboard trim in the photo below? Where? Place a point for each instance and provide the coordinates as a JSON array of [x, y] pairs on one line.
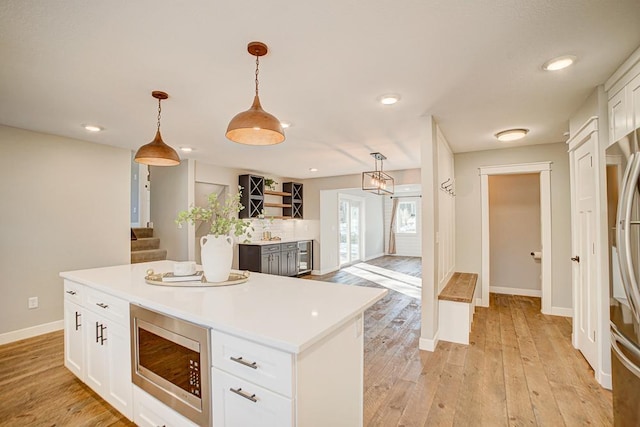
[[562, 311], [604, 380], [325, 271], [516, 291], [428, 344], [31, 332], [479, 302]]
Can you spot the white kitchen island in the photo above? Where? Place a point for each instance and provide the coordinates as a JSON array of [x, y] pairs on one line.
[[314, 328]]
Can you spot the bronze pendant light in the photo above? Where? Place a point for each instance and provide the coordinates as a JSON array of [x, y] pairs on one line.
[[255, 126], [157, 153]]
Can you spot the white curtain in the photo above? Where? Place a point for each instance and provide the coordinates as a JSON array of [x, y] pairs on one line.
[[392, 228]]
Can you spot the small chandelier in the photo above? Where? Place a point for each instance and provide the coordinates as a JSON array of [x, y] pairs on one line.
[[157, 153], [255, 126], [377, 181]]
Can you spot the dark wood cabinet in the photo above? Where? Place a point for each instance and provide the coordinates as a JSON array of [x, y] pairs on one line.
[[252, 195], [293, 201]]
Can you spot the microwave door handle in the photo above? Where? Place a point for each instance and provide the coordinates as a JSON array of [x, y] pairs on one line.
[[616, 339], [625, 208]]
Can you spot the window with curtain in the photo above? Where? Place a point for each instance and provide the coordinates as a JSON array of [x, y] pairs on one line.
[[406, 218]]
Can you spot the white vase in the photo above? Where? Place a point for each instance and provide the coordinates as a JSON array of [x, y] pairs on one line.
[[216, 254]]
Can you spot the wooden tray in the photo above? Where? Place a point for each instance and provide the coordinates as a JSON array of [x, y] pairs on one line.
[[235, 278]]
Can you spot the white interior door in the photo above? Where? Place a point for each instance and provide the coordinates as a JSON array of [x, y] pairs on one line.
[[584, 269], [350, 225]]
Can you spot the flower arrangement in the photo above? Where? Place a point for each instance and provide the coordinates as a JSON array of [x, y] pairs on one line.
[[270, 183], [223, 217]]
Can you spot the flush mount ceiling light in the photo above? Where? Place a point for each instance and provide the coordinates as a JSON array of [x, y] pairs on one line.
[[377, 181], [286, 125], [157, 153], [93, 128], [313, 169], [255, 126], [511, 134], [559, 63], [389, 99], [186, 149]]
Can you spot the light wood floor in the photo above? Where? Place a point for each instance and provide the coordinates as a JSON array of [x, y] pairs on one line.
[[520, 369]]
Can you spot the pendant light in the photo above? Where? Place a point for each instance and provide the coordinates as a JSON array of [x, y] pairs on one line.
[[157, 153], [377, 181], [255, 126]]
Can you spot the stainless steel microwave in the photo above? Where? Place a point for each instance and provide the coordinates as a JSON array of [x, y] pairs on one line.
[[170, 359]]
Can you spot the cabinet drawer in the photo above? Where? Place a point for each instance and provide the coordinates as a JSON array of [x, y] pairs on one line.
[[73, 291], [289, 246], [108, 306], [261, 365], [239, 403], [150, 412], [267, 249]]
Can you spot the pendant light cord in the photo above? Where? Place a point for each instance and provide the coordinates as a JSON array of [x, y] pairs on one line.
[[159, 111], [257, 71]]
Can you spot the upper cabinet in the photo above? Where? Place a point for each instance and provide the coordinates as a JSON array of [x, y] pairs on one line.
[[623, 93], [254, 201], [252, 195], [293, 201]]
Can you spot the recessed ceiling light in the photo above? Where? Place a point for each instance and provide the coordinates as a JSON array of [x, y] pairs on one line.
[[93, 128], [559, 63], [389, 99], [186, 149], [285, 125], [511, 134], [313, 169]]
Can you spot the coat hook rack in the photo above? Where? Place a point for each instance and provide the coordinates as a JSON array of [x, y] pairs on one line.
[[447, 187]]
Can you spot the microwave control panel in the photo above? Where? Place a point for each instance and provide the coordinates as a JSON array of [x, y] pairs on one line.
[[194, 377]]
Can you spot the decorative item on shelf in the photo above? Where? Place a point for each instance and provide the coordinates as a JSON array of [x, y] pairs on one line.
[[217, 247], [255, 126], [377, 181], [270, 184], [157, 153], [265, 223]]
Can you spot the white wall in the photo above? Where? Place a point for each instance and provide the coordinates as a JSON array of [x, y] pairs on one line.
[[515, 231], [468, 210], [65, 206]]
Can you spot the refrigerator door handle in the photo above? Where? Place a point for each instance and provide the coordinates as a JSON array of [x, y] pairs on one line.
[[617, 338], [629, 280]]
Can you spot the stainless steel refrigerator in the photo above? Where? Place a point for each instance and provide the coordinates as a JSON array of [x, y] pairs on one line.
[[623, 198]]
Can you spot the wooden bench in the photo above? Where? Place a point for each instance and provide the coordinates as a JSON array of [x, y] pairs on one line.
[[456, 305]]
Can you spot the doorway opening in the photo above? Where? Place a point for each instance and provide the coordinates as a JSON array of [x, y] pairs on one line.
[[515, 235], [542, 170], [350, 226]]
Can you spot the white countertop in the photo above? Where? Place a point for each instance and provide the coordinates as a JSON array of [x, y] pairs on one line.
[[283, 312], [274, 242]]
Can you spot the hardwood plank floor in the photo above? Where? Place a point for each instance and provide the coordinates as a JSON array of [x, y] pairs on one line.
[[519, 369]]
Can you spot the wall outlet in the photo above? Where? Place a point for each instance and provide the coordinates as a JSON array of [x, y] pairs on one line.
[[33, 302]]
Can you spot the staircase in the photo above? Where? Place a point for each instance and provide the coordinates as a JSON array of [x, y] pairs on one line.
[[145, 247]]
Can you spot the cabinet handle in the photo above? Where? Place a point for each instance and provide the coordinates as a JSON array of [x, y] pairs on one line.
[[102, 338], [71, 292], [240, 360], [102, 305], [97, 328], [77, 323], [239, 392]]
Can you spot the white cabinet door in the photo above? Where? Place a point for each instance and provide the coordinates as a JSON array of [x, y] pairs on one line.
[[118, 349], [96, 354], [239, 403], [619, 118], [150, 412], [108, 361], [585, 260], [73, 348]]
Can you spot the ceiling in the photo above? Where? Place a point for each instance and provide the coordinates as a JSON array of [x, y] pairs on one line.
[[474, 65]]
